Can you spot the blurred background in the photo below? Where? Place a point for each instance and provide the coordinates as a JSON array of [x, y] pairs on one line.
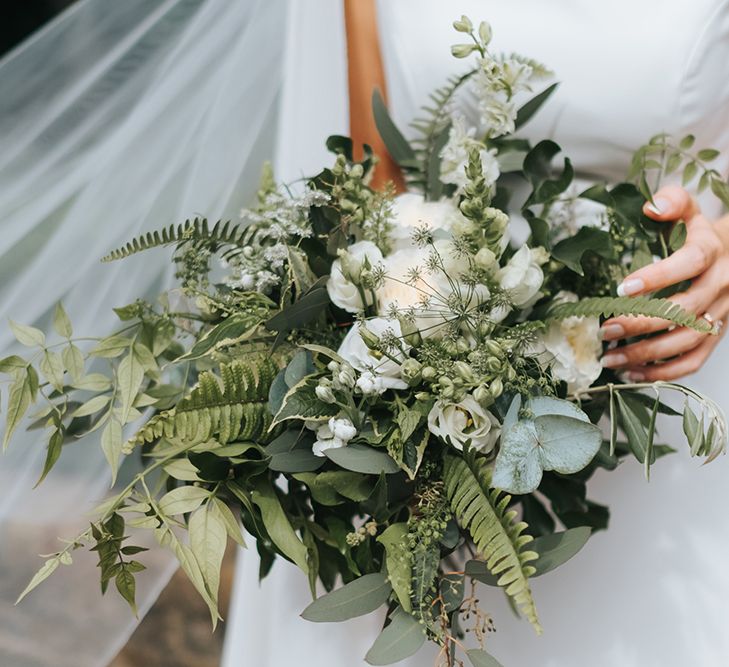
[[177, 631]]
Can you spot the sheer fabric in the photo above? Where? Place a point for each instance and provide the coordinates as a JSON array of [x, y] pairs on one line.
[[118, 118]]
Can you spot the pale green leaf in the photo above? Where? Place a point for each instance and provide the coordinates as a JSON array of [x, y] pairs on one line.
[[61, 323], [183, 470], [113, 346], [183, 499], [232, 525], [49, 567], [556, 549], [402, 638], [480, 658], [397, 562], [208, 538], [73, 360], [361, 458], [129, 377], [12, 364], [91, 406], [111, 445], [19, 400], [27, 335], [359, 597], [93, 382], [51, 365]]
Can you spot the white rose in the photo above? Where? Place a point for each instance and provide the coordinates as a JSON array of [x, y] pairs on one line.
[[454, 156], [522, 277], [572, 349], [345, 274], [466, 420], [362, 359], [411, 211]]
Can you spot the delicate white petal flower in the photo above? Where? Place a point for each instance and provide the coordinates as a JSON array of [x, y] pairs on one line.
[[522, 276], [464, 421], [454, 156], [362, 359], [572, 349], [411, 211], [342, 285], [321, 445], [342, 428], [370, 384]]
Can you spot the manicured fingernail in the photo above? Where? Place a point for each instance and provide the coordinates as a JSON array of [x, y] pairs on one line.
[[636, 377], [614, 359], [612, 332], [658, 206], [630, 287]]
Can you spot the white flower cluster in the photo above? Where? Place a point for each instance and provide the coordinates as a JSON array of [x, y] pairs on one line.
[[335, 433], [454, 156], [256, 269]]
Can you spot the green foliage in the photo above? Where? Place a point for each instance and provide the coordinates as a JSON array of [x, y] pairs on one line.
[[359, 597], [609, 306], [197, 230], [229, 407], [500, 540], [399, 640]]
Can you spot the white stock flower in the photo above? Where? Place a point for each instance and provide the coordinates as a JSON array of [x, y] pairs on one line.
[[362, 359], [572, 348], [410, 211], [337, 432], [522, 276], [463, 421], [454, 156], [345, 274], [370, 384]]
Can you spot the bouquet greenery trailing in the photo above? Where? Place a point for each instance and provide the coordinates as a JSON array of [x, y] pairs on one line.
[[382, 388]]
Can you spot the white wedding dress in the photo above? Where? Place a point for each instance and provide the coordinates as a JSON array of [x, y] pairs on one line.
[[654, 589]]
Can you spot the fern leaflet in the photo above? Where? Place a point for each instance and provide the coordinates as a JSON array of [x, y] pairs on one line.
[[482, 511], [229, 407], [608, 306]]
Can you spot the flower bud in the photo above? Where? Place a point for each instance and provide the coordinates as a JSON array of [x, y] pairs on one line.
[[422, 396], [496, 388], [462, 50], [484, 32], [462, 345], [368, 338], [485, 328], [410, 371], [410, 332], [429, 373], [483, 396], [357, 171], [494, 364], [463, 24], [464, 371], [510, 374], [486, 259], [494, 348], [325, 394]]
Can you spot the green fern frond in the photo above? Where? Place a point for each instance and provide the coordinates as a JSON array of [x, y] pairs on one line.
[[229, 407], [197, 230], [608, 306], [482, 511]]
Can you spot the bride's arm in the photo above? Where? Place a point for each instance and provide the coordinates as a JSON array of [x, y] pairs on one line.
[[704, 259]]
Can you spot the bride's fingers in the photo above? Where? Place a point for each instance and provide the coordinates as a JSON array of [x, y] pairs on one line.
[[660, 347], [697, 299], [686, 364], [671, 203]]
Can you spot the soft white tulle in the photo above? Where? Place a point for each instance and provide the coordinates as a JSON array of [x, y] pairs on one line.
[[118, 118]]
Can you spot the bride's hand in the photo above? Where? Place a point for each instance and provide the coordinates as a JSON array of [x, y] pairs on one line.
[[703, 259]]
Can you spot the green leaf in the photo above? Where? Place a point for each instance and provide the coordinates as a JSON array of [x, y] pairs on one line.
[[301, 402], [19, 400], [12, 363], [208, 539], [708, 154], [301, 312], [298, 368], [689, 172], [533, 105], [232, 525], [687, 142], [51, 365], [236, 328], [113, 346], [93, 382], [61, 323], [111, 445], [48, 568], [480, 658], [28, 336], [91, 406], [395, 142], [129, 378], [277, 524], [435, 185], [720, 190], [359, 597], [183, 499], [297, 460], [126, 586], [361, 458], [570, 251], [53, 452], [560, 437], [556, 549], [73, 360], [397, 562], [693, 429], [634, 427], [678, 236], [402, 638]]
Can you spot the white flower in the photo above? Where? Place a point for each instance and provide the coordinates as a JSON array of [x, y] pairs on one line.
[[410, 211], [370, 384], [466, 420], [342, 428], [516, 75], [346, 272], [522, 276], [362, 359], [454, 156], [572, 349]]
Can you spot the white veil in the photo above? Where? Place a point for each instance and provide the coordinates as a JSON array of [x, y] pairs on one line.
[[117, 118]]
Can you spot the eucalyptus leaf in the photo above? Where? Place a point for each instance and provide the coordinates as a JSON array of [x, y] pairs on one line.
[[359, 597], [556, 549], [480, 658], [402, 638], [361, 458], [396, 144]]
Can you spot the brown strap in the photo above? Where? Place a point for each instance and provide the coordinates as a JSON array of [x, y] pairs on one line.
[[366, 73]]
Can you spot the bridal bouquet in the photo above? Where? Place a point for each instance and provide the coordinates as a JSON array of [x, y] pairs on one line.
[[401, 394]]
